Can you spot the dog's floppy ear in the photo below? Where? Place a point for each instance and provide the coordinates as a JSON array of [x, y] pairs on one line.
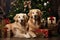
[[26, 18], [39, 12], [30, 12], [15, 17]]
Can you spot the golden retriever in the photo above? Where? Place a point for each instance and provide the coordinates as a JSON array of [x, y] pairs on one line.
[[19, 27], [34, 21]]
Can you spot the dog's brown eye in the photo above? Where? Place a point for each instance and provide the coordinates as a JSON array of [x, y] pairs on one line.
[[33, 12], [23, 16], [37, 12], [31, 17], [19, 17]]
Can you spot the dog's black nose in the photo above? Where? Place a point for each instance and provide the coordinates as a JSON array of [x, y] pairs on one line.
[[22, 20], [35, 16]]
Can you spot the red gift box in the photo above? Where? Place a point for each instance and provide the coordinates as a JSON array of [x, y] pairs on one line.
[[43, 31]]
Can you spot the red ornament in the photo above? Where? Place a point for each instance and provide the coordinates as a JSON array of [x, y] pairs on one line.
[[7, 21]]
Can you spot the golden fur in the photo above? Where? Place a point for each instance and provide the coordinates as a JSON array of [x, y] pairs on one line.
[[34, 24], [19, 27]]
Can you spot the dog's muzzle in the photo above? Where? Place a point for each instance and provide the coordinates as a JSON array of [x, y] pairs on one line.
[[22, 22], [36, 17]]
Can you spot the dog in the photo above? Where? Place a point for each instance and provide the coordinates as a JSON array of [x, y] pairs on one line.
[[19, 27], [34, 21]]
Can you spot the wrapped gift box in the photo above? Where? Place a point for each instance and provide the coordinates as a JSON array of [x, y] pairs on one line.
[[51, 20], [44, 32]]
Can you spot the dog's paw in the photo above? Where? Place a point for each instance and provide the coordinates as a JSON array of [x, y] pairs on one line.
[[27, 36], [34, 36]]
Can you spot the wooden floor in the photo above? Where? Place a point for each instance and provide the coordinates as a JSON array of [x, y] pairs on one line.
[[53, 38]]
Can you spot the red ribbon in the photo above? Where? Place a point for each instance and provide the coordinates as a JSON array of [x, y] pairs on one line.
[[51, 18]]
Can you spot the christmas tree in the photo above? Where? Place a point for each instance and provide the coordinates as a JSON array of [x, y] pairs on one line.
[[19, 6], [43, 5]]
